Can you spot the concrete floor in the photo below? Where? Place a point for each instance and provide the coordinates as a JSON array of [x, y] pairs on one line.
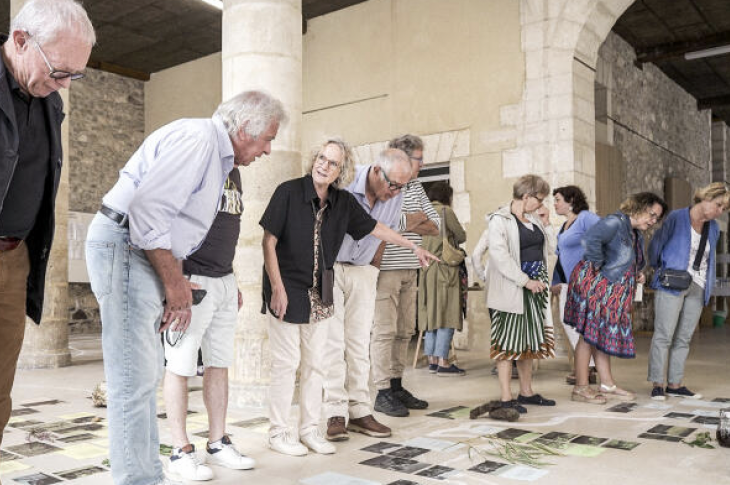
[[651, 462]]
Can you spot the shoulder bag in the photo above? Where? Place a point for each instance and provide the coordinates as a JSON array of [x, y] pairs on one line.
[[452, 256], [679, 279]]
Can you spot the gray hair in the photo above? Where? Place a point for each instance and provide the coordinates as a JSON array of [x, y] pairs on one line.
[[347, 170], [254, 111], [45, 20], [531, 185], [390, 157], [407, 143]]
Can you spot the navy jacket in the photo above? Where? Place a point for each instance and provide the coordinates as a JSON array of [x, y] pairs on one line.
[[670, 246], [609, 246], [41, 236]]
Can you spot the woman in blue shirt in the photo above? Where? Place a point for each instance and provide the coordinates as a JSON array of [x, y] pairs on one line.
[[570, 201], [675, 246], [601, 291]]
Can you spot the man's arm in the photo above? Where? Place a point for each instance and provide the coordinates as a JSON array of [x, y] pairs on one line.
[[178, 294]]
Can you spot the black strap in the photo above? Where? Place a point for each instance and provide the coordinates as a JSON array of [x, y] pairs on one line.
[[703, 243]]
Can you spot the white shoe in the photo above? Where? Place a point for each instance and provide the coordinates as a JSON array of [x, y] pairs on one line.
[[287, 444], [228, 456], [316, 442], [189, 466]]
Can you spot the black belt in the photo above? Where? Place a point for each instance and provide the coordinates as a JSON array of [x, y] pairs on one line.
[[117, 217]]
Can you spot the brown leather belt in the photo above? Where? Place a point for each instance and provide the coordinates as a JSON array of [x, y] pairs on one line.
[[117, 217], [9, 243]]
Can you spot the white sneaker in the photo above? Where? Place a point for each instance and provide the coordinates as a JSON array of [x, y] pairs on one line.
[[287, 444], [188, 465], [228, 456], [316, 442]]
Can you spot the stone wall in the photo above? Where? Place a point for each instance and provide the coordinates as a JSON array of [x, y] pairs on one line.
[[106, 126], [655, 123]]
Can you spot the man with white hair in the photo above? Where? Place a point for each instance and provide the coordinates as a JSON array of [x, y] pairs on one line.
[[49, 44], [155, 216]]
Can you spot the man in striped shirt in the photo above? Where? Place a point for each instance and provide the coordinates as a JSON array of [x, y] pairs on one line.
[[397, 291]]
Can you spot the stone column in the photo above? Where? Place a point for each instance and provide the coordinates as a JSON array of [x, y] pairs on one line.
[[47, 345], [262, 49]]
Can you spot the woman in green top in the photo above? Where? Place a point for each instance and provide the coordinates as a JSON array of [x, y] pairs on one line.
[[439, 293]]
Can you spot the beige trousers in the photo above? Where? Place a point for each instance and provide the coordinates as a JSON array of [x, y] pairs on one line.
[[346, 386], [394, 324], [290, 345]]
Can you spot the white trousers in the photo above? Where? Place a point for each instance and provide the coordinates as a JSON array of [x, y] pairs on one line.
[[291, 344], [346, 386]]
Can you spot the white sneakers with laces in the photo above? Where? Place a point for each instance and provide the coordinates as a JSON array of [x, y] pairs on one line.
[[223, 453], [187, 465], [316, 442], [287, 444]]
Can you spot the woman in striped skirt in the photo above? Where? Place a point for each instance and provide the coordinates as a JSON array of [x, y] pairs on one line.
[[517, 279]]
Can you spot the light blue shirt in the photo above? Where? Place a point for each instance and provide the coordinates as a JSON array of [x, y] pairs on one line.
[[170, 188], [361, 252]]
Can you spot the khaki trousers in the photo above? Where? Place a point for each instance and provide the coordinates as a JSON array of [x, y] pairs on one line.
[[291, 344], [346, 386], [14, 268], [394, 324]]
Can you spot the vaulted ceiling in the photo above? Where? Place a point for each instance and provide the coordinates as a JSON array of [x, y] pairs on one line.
[[667, 32]]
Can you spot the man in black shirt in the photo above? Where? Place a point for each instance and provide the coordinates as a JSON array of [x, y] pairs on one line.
[[212, 327], [48, 47]]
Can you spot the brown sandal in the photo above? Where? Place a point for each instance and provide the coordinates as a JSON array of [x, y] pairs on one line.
[[587, 394]]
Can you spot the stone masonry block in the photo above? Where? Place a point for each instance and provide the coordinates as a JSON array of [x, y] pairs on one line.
[[511, 114], [445, 146], [461, 144]]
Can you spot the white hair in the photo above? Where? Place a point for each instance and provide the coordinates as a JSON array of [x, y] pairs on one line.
[[390, 157], [254, 111], [46, 19]]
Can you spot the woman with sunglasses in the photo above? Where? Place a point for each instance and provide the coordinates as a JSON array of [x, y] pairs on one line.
[[601, 292]]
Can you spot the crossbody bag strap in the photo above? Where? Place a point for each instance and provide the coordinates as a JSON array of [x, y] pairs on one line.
[[703, 243]]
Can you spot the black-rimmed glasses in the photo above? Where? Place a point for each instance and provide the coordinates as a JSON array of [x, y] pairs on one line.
[[394, 186]]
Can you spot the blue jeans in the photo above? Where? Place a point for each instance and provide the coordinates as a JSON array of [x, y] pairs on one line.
[[438, 342], [130, 301]]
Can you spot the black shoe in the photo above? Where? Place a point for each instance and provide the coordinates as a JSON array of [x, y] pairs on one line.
[[535, 399], [682, 392], [409, 400], [387, 403]]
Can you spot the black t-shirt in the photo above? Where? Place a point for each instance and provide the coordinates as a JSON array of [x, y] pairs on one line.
[[531, 242], [27, 188], [214, 258], [290, 218]]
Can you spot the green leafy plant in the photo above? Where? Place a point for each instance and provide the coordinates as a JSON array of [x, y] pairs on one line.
[[530, 454]]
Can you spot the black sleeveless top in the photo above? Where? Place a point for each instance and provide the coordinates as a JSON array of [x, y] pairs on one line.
[[531, 242]]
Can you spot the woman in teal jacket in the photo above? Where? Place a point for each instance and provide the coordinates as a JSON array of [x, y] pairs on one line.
[[675, 246]]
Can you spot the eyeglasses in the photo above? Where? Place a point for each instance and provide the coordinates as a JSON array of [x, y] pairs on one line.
[[539, 199], [395, 187], [418, 159], [53, 72], [331, 164], [653, 216]]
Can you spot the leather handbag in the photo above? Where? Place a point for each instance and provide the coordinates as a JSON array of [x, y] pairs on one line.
[[452, 256], [679, 279]]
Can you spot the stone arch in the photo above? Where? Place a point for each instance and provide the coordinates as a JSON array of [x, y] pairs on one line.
[[554, 124]]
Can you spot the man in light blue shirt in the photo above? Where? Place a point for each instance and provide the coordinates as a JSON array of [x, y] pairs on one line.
[[155, 216], [346, 392]]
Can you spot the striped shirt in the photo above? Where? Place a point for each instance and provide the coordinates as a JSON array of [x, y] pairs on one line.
[[414, 200]]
